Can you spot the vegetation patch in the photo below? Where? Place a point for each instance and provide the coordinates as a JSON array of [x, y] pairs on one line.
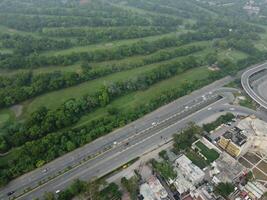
[[197, 159], [210, 154], [220, 120]]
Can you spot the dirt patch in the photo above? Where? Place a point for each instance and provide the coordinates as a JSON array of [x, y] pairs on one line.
[[259, 175], [244, 163], [252, 158], [263, 166], [17, 109]]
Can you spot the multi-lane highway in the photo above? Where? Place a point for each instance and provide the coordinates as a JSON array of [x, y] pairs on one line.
[[246, 84], [109, 152]]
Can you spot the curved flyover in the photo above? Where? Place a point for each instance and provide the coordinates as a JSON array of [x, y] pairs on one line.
[[247, 86]]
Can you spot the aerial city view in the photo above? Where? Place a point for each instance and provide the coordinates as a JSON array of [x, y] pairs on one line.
[[133, 99]]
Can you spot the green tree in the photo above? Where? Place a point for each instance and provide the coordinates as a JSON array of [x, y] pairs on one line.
[[49, 196], [104, 96], [224, 189]]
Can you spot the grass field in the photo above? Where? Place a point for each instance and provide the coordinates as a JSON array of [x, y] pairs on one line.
[[140, 97], [54, 99], [210, 154], [197, 159], [5, 115], [77, 68], [232, 54]]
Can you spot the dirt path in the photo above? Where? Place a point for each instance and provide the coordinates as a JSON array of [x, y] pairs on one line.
[[17, 109]]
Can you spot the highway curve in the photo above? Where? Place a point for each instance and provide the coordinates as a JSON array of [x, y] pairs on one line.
[[245, 81]]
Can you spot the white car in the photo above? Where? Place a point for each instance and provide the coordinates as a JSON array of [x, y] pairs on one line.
[[154, 123], [232, 109], [57, 191], [186, 107], [45, 170], [209, 108]]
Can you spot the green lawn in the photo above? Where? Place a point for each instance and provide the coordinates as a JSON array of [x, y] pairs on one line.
[[5, 115], [233, 55], [140, 97], [197, 159], [210, 154]]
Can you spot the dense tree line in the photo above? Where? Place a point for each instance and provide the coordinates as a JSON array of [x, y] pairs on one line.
[[176, 8], [244, 46], [141, 47], [103, 13], [45, 121], [25, 45], [85, 36], [36, 22], [137, 48], [57, 144], [23, 86], [184, 140]]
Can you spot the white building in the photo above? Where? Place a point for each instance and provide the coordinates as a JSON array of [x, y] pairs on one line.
[[188, 175], [153, 190], [192, 172]]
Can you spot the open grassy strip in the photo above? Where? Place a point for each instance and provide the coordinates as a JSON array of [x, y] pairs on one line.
[[210, 154], [76, 68], [110, 45], [135, 99], [96, 72], [54, 99], [122, 64], [5, 116], [172, 8], [95, 35]]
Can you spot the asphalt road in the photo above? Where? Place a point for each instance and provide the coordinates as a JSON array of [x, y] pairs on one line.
[[129, 142], [261, 87], [137, 147], [245, 81]]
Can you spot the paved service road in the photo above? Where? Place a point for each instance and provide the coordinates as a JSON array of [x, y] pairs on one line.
[[245, 81], [127, 143]]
